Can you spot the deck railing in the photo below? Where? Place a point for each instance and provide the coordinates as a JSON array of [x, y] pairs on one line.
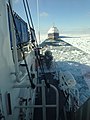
[[43, 106]]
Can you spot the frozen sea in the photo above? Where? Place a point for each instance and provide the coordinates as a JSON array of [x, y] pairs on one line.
[[72, 53]]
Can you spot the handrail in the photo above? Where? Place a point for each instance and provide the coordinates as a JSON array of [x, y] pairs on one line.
[[57, 101], [43, 106]]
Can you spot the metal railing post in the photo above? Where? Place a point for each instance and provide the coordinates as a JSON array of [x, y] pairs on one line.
[[43, 106], [57, 102], [43, 100]]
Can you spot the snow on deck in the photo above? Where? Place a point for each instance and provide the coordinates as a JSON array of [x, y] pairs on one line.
[[69, 57]]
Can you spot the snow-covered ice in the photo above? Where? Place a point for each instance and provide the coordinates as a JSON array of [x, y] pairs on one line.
[[83, 43], [80, 41]]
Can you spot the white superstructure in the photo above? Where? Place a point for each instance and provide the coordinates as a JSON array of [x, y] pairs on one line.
[[53, 33], [9, 95]]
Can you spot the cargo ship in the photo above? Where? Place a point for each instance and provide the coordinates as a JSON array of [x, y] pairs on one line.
[[35, 83]]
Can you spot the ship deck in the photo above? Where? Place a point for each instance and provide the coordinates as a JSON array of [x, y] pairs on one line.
[[67, 58], [50, 99]]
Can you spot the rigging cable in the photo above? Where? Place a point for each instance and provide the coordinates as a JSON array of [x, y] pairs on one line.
[[32, 31], [29, 14], [32, 84], [31, 21], [36, 53]]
